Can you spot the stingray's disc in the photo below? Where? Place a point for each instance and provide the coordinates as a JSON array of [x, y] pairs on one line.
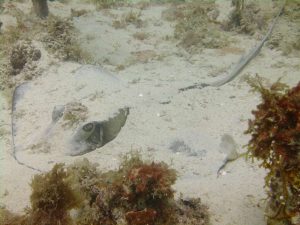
[[36, 131]]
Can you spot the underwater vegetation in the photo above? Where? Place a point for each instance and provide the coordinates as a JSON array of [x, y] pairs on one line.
[[253, 18], [12, 49], [247, 17], [61, 40], [8, 218], [287, 38], [103, 4], [20, 50], [138, 193], [51, 199], [275, 140], [132, 17], [74, 113], [197, 27], [23, 52]]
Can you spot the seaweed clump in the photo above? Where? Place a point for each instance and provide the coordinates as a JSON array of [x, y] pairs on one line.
[[246, 18], [275, 139], [60, 39], [138, 193], [75, 113], [8, 218], [17, 54], [23, 53], [52, 198], [105, 4], [197, 27], [286, 36]]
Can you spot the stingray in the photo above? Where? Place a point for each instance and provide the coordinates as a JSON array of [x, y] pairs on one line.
[[37, 102], [41, 120]]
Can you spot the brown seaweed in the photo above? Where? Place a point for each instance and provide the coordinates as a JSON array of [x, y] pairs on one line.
[[52, 198], [138, 193], [275, 140]]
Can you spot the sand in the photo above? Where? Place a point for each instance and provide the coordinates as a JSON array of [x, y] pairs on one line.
[[182, 129]]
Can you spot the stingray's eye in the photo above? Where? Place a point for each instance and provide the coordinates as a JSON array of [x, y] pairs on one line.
[[88, 127]]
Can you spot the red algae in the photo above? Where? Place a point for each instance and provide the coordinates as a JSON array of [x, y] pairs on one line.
[[275, 139], [138, 193]]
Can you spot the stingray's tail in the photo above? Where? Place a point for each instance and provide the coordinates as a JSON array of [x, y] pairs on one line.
[[16, 95]]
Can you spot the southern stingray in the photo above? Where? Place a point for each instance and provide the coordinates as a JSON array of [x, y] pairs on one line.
[[42, 106], [41, 121]]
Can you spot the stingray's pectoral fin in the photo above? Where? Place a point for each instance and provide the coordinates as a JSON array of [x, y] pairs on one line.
[[113, 125]]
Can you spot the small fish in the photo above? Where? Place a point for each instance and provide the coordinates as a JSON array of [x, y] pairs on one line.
[[229, 147]]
